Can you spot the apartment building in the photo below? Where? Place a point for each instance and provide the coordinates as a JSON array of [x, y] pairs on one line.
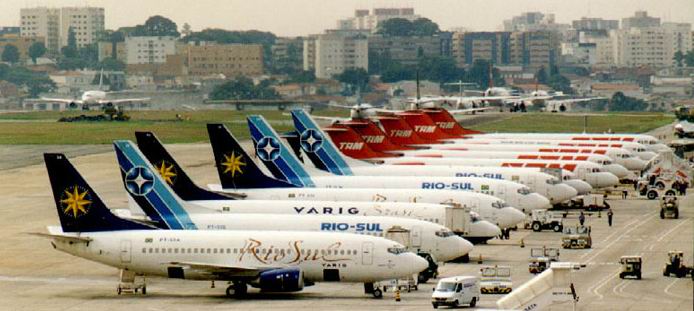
[[492, 46], [534, 49], [228, 59], [593, 24], [405, 50], [331, 53], [86, 22], [365, 20], [149, 50], [42, 22], [640, 20], [106, 50], [650, 46]]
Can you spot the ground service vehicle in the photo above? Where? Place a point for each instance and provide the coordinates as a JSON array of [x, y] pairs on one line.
[[576, 237], [495, 280], [544, 219], [541, 258], [669, 207], [456, 291], [631, 266], [590, 202], [675, 265], [658, 190]]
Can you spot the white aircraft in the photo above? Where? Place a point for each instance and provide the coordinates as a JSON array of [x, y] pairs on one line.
[[457, 218], [95, 98], [285, 166], [544, 184], [269, 260], [650, 142], [167, 211], [684, 129]]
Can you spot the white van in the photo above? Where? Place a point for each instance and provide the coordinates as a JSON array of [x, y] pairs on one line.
[[456, 291]]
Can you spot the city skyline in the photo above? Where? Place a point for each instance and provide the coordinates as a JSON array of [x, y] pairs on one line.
[[298, 17]]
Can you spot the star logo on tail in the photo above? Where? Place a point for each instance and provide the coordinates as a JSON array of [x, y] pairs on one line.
[[233, 163], [167, 171], [268, 149], [139, 181], [311, 140], [75, 201]]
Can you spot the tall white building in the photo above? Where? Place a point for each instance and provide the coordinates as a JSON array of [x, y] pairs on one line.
[[54, 25], [604, 51], [365, 20], [86, 22], [332, 53], [149, 50], [42, 22], [651, 46]]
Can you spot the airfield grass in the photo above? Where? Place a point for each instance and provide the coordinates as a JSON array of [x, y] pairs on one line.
[[42, 127], [574, 123]]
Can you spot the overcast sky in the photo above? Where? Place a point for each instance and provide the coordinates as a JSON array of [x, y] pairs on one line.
[[301, 17]]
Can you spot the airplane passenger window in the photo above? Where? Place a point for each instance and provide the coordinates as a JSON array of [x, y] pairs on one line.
[[176, 250], [156, 250], [150, 250], [144, 250]]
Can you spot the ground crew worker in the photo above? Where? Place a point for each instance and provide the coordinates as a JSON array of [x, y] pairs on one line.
[[609, 217], [624, 194], [581, 218]]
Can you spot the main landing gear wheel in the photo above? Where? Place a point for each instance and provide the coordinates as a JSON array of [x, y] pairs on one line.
[[236, 290]]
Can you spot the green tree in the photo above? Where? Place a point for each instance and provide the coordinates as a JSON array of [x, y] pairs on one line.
[[395, 72], [541, 75], [395, 27], [439, 68], [158, 26], [560, 83], [36, 50], [242, 88], [621, 102], [302, 76], [678, 58], [71, 38], [35, 82], [479, 73], [10, 54], [424, 27], [356, 78], [689, 59], [111, 64]]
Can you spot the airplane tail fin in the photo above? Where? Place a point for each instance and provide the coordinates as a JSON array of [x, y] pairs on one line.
[[171, 172], [424, 126], [79, 208], [235, 167], [275, 155], [149, 190], [402, 133], [352, 144], [373, 135], [322, 152], [448, 124]]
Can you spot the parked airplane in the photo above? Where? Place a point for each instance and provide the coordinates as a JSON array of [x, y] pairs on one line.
[[268, 260], [95, 98], [328, 158], [250, 180], [456, 218], [650, 142], [285, 166]]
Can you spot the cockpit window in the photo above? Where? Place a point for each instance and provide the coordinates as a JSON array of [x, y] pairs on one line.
[[444, 233], [397, 250], [474, 217], [596, 170], [607, 162], [553, 181], [524, 190], [499, 204]]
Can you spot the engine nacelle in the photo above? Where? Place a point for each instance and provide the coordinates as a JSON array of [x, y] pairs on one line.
[[281, 280]]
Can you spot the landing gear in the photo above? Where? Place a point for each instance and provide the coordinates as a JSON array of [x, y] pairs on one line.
[[377, 293], [237, 289], [131, 283]]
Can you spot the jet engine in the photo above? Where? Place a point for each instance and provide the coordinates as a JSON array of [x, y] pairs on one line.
[[281, 280]]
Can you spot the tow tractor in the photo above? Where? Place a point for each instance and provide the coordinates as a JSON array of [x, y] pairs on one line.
[[131, 283], [431, 272], [544, 219], [653, 192], [541, 258], [577, 237], [495, 280], [676, 267], [590, 202], [669, 207], [631, 266]]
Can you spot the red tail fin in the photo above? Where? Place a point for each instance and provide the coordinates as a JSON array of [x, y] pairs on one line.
[[374, 136], [447, 123], [401, 133], [424, 126], [352, 145]]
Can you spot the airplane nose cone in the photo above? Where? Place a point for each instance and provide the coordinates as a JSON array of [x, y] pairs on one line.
[[465, 246], [606, 179], [581, 186], [647, 155], [617, 170], [561, 192], [513, 215], [484, 228], [534, 201], [660, 147], [418, 264]]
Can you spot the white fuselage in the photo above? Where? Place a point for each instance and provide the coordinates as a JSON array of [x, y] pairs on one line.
[[620, 156], [93, 97], [589, 172], [151, 252], [425, 236], [544, 184], [648, 141], [490, 208]]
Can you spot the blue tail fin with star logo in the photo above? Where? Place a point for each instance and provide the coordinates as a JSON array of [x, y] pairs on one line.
[[235, 167], [318, 146], [79, 208], [150, 191], [276, 156], [171, 172]]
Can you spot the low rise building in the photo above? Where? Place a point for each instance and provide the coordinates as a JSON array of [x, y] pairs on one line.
[[149, 49], [21, 43], [491, 46], [106, 50], [229, 60], [405, 50]]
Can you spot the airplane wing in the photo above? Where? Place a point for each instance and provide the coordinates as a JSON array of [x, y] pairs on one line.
[[331, 119], [464, 111], [124, 100], [67, 238], [60, 100], [218, 269], [574, 100]]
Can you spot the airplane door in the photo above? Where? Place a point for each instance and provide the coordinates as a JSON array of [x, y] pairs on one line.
[[367, 253], [125, 253], [416, 237]]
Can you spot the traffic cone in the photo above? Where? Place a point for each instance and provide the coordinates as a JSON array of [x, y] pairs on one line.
[[522, 244], [479, 259], [212, 284], [397, 294]]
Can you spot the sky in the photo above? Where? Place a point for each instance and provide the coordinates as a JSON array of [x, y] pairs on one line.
[[303, 17]]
